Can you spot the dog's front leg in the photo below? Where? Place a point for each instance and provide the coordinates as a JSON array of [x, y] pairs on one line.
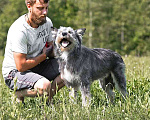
[[86, 96]]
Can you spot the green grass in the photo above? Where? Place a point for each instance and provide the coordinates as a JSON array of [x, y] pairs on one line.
[[136, 107]]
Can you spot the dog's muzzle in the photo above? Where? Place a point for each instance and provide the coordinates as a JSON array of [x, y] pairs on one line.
[[65, 40], [65, 43]]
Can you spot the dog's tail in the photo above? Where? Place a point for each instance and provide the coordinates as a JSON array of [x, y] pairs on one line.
[[119, 79]]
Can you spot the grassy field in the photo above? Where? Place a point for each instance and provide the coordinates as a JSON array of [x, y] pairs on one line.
[[136, 107]]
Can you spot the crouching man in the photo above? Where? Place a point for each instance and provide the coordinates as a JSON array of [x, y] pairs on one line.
[[26, 55]]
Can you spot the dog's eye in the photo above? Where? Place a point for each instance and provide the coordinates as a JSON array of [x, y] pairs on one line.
[[69, 31]]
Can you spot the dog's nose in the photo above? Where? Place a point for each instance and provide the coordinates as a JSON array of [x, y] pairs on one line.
[[64, 33]]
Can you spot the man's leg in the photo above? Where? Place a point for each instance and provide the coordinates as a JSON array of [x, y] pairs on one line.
[[48, 69], [41, 86]]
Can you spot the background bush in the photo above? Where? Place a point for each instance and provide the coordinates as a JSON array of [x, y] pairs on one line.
[[120, 25]]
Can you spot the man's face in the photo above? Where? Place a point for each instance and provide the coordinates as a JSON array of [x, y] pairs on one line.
[[39, 12]]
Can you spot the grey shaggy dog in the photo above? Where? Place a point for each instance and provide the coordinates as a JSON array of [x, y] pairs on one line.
[[80, 66]]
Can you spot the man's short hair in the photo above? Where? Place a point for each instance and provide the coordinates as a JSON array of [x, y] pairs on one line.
[[31, 2]]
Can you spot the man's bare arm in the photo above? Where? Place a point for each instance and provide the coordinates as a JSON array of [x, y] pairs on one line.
[[23, 64]]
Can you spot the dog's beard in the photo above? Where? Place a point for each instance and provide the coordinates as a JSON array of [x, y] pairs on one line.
[[38, 20]]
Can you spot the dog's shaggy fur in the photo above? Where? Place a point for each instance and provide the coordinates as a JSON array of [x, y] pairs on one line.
[[80, 66]]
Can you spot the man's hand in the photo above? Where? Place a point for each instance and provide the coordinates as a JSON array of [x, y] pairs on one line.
[[48, 51]]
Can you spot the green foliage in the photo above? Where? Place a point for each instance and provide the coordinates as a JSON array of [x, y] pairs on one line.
[[62, 12], [136, 107], [12, 9], [120, 25], [2, 3]]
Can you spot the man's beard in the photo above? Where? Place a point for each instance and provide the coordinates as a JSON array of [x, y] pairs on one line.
[[38, 20]]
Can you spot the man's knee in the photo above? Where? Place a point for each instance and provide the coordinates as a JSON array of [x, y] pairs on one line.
[[42, 85]]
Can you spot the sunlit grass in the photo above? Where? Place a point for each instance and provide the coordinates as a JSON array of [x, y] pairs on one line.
[[136, 107]]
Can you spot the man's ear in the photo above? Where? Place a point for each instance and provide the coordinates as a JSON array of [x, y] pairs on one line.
[[29, 6], [80, 31]]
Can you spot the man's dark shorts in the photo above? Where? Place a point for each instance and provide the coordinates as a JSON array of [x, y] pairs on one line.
[[26, 80]]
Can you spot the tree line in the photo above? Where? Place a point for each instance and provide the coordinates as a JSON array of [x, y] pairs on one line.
[[120, 25]]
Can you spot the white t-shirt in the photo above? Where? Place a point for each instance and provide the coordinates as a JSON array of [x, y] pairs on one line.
[[22, 38]]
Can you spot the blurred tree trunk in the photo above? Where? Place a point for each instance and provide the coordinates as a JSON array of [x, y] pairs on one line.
[[90, 25], [122, 36]]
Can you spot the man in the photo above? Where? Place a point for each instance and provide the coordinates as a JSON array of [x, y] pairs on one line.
[[26, 54]]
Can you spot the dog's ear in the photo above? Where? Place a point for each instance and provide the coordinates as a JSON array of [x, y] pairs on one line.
[[54, 33], [81, 31], [54, 29]]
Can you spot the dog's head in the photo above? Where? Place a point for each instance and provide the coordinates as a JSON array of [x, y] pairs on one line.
[[66, 39]]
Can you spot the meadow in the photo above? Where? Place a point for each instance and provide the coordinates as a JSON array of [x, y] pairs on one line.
[[136, 106]]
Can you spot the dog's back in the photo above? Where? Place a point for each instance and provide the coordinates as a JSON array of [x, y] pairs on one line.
[[94, 63]]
